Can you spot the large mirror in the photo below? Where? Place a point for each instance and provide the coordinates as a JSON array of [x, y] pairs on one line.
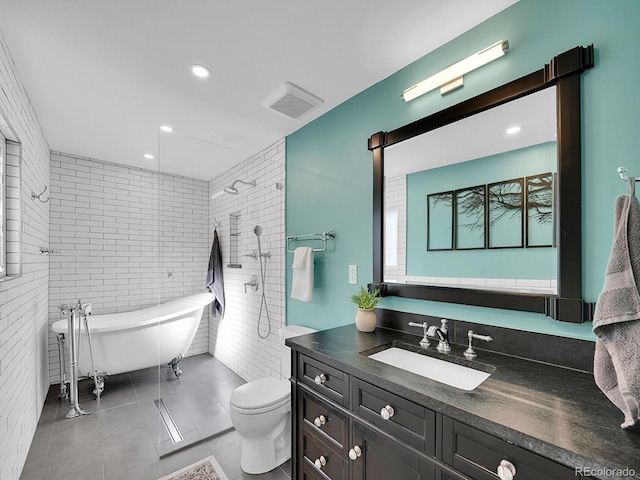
[[480, 203]]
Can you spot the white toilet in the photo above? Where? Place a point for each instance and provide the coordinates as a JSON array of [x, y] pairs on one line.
[[261, 413]]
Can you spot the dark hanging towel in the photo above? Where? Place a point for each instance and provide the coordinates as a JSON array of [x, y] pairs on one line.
[[215, 280]]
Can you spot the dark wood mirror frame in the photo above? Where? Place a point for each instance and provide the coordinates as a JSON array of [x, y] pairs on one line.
[[564, 72]]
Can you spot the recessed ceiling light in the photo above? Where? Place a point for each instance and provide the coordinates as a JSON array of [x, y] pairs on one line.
[[512, 130], [148, 156], [200, 71], [166, 128]]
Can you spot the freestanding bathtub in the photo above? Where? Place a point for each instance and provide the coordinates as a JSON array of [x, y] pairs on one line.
[[123, 342]]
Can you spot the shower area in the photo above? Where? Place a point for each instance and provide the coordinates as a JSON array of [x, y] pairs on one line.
[[124, 239]]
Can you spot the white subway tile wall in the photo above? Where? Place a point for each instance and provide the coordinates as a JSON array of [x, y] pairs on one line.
[[124, 238], [234, 339], [24, 302]]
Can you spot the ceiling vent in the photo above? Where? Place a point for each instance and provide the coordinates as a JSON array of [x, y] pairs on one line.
[[291, 101]]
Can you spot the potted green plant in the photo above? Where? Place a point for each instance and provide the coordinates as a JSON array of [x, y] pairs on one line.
[[366, 301]]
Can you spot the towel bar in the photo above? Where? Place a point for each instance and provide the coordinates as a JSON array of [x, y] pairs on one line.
[[320, 237]]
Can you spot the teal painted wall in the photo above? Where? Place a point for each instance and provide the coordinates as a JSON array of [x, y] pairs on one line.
[[329, 169], [527, 263]]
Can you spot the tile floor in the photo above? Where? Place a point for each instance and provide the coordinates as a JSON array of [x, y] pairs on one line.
[[126, 439]]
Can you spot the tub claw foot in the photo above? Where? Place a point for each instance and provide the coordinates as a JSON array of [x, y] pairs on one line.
[[99, 382], [175, 364]]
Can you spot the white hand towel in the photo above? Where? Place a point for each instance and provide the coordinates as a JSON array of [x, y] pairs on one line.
[[302, 282]]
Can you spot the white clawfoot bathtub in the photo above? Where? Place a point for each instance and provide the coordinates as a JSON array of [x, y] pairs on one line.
[[123, 342]]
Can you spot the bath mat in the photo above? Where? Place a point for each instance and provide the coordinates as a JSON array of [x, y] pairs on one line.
[[206, 469]]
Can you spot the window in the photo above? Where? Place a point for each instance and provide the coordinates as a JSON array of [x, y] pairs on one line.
[[10, 211], [3, 220]]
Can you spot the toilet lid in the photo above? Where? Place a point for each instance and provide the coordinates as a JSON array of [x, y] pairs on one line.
[[261, 393]]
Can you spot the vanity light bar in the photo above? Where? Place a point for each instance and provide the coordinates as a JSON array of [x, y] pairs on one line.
[[452, 77]]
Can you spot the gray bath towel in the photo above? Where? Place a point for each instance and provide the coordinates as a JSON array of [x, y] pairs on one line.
[[215, 279], [617, 316]]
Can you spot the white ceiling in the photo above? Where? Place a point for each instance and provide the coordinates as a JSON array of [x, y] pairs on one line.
[[103, 76]]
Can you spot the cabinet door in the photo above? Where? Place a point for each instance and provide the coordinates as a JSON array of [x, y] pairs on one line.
[[383, 458]]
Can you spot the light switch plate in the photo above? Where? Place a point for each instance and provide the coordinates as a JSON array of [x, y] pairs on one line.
[[353, 274]]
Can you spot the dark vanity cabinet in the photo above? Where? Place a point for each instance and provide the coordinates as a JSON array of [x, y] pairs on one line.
[[346, 428], [332, 443]]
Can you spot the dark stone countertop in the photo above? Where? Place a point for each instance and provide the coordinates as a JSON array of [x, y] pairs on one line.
[[555, 412]]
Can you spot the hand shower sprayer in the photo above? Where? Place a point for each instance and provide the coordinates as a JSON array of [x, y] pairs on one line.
[[257, 230]]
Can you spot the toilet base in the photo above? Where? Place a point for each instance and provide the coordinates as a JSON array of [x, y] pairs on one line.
[[263, 454]]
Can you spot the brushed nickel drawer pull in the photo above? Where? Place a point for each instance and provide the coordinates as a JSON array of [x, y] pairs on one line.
[[387, 412], [355, 452], [506, 470], [320, 462], [319, 421]]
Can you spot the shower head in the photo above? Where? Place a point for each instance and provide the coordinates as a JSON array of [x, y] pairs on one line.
[[257, 230], [232, 190]]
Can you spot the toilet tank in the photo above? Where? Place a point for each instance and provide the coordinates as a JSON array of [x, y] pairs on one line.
[[289, 331]]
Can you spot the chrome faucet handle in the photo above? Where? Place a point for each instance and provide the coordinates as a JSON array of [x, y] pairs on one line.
[[470, 352], [443, 325], [64, 308], [424, 343]]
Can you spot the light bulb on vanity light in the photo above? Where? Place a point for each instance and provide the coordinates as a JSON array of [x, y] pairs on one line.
[[453, 77]]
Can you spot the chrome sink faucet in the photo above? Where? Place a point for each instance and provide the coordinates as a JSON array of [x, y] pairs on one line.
[[441, 333]]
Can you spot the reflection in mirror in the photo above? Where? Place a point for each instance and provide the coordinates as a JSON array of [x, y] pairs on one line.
[[470, 204]]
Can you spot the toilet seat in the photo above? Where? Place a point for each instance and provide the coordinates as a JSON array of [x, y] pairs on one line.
[[259, 396]]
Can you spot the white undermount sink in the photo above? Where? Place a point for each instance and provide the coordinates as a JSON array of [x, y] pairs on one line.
[[449, 373]]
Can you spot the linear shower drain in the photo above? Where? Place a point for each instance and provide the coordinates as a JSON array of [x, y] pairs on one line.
[[172, 428]]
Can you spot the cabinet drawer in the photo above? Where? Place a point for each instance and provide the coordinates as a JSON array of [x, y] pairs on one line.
[[406, 420], [325, 421], [321, 457], [324, 379], [478, 454]]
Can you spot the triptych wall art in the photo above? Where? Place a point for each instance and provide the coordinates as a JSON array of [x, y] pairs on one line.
[[514, 213]]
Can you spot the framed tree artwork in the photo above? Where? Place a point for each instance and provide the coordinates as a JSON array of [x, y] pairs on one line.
[[470, 218], [540, 224], [505, 214], [440, 221]]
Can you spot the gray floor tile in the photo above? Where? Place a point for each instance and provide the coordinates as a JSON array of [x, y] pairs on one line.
[[226, 449], [72, 432], [119, 420], [151, 471], [76, 462], [211, 419], [182, 458], [118, 391], [127, 452]]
